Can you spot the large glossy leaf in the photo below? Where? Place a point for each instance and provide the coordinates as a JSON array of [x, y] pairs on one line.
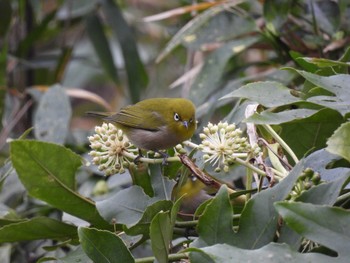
[[137, 75], [52, 117], [47, 171], [132, 206], [320, 160], [323, 194], [310, 133], [210, 76], [98, 38], [103, 246], [37, 228], [262, 92], [337, 84], [140, 226], [161, 234], [326, 193], [267, 117], [328, 226], [258, 222], [339, 142], [215, 224], [74, 256], [271, 253]]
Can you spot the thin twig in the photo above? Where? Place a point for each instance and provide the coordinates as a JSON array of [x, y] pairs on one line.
[[7, 129]]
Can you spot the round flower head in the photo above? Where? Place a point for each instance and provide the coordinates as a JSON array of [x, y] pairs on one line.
[[222, 143], [108, 145]]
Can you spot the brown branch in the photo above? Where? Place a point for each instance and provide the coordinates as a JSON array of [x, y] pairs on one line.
[[202, 176], [208, 180]]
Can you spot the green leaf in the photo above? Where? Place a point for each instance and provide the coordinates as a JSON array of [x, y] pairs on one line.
[[75, 256], [162, 185], [104, 246], [128, 207], [140, 226], [258, 222], [323, 62], [262, 92], [271, 253], [47, 171], [328, 226], [320, 161], [215, 224], [210, 76], [310, 133], [323, 194], [140, 176], [161, 234], [37, 228], [339, 143], [137, 75], [51, 120], [268, 117], [337, 84], [99, 40]]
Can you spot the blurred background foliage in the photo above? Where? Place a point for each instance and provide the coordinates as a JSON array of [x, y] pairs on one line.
[[61, 58]]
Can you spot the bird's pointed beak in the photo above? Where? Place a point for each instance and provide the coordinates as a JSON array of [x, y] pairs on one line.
[[185, 123]]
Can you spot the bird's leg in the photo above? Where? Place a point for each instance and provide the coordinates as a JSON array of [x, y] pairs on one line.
[[137, 159], [165, 157]]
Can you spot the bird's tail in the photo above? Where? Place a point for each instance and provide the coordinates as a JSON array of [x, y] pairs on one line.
[[102, 115]]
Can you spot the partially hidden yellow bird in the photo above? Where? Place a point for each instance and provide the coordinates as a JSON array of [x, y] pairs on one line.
[[155, 124]]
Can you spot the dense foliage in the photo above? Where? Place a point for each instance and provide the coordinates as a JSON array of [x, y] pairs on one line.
[[278, 70]]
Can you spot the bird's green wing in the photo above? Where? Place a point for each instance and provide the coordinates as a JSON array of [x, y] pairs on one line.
[[138, 117]]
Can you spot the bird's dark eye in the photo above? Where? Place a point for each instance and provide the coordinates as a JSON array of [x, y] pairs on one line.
[[176, 117], [191, 120]]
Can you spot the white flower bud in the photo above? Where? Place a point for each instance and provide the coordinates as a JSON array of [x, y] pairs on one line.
[[206, 157], [226, 168], [202, 136]]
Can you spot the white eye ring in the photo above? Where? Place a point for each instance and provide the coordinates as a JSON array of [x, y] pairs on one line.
[[176, 117]]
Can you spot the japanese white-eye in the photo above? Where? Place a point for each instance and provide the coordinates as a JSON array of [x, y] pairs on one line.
[[155, 124]]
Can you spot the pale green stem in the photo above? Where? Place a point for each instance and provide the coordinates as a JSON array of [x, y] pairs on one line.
[[278, 174], [171, 257], [281, 142], [249, 183], [190, 144], [250, 166]]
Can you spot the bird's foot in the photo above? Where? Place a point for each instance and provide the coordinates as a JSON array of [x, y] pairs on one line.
[[165, 157], [137, 159]]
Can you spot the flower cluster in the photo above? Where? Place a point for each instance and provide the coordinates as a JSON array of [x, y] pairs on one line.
[[222, 143], [306, 180], [108, 145]]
